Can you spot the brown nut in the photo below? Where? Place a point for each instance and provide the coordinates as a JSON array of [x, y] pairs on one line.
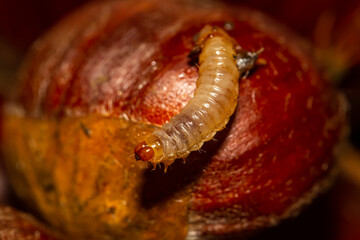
[[111, 72]]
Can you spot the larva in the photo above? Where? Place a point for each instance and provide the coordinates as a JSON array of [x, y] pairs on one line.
[[221, 63]]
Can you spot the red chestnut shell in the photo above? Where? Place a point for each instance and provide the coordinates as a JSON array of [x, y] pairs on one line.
[[124, 63]]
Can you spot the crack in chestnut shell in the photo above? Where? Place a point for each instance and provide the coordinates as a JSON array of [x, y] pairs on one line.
[[129, 59]]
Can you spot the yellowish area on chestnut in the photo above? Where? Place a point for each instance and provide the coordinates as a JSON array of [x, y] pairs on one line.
[[81, 175]]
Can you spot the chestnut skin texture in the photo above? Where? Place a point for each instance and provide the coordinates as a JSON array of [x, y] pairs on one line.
[[112, 72], [15, 225]]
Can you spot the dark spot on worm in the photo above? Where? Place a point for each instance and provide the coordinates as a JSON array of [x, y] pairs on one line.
[[194, 55], [228, 26], [86, 130]]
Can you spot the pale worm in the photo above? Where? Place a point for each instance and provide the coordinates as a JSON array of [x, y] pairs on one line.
[[221, 63]]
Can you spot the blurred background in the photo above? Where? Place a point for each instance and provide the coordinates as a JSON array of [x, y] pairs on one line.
[[332, 26]]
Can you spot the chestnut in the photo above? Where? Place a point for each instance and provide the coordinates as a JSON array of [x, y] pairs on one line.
[[112, 72]]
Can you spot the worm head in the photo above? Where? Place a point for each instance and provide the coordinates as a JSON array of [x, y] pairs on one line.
[[143, 152]]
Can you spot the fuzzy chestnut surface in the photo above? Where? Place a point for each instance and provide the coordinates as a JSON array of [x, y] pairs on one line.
[[112, 72]]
